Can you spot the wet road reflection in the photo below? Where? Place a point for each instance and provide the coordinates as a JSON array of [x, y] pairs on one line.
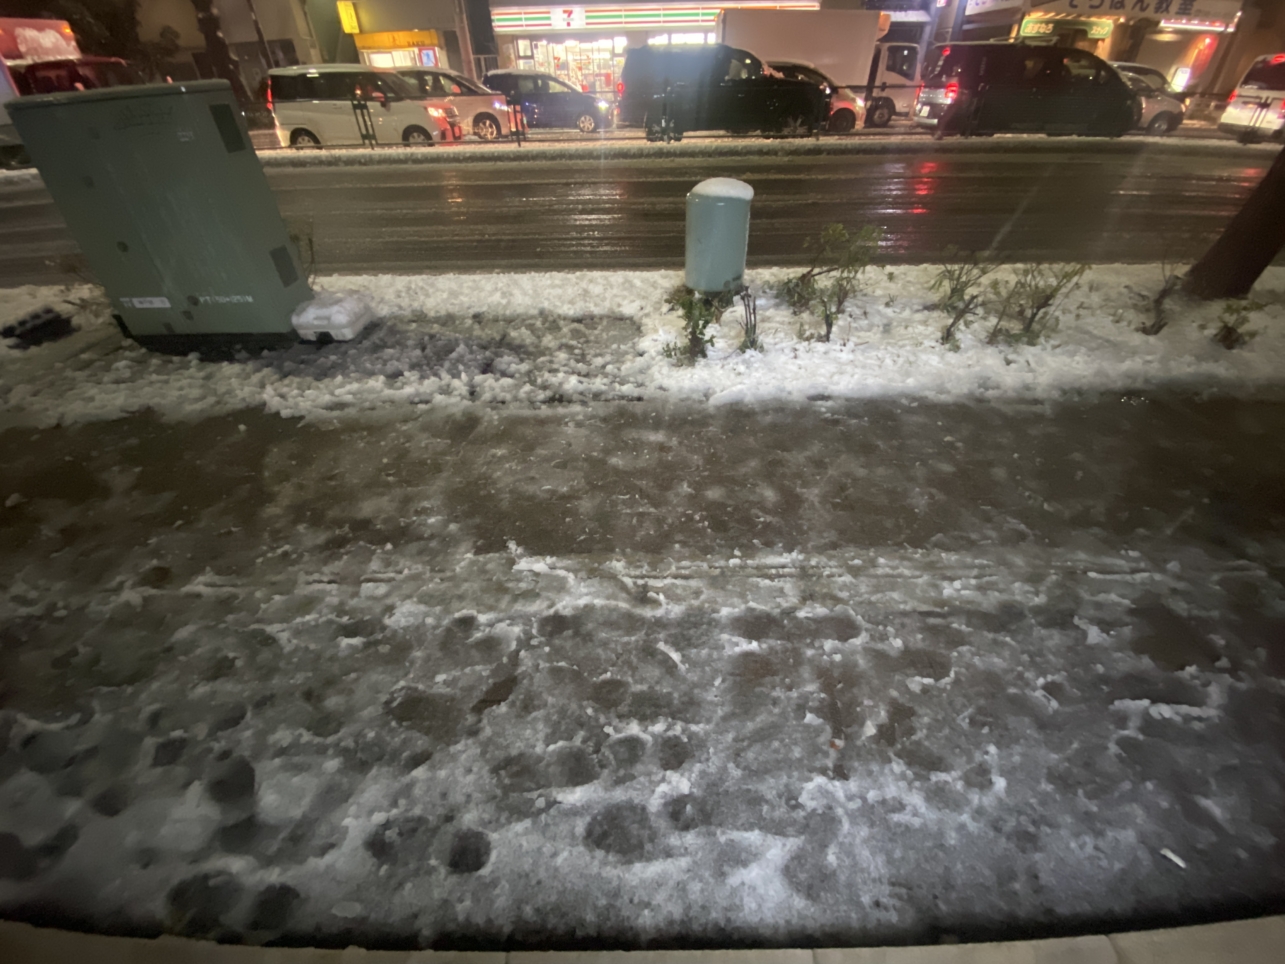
[[1116, 204]]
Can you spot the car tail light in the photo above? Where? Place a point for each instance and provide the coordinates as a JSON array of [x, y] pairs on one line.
[[620, 89], [1279, 59], [919, 92], [269, 95], [952, 91], [1232, 97]]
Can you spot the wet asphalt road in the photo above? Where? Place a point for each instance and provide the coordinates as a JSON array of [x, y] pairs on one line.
[[1127, 201]]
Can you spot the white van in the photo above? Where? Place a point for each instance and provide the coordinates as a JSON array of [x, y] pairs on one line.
[[335, 104], [1256, 108]]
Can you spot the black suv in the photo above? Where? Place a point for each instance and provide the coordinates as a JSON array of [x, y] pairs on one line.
[[989, 88], [672, 90]]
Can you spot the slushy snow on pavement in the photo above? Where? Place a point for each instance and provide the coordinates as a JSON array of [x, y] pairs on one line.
[[529, 339]]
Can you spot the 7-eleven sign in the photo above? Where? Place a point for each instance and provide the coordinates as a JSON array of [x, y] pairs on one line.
[[567, 18]]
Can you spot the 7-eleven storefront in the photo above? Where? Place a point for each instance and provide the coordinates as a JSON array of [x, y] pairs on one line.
[[585, 46]]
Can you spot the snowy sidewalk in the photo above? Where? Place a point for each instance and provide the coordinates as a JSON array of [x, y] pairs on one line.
[[828, 673]]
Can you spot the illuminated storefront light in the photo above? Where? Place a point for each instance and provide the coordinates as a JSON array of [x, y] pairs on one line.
[[585, 46], [527, 19]]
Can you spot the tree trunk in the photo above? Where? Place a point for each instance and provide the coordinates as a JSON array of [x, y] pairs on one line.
[[1247, 246], [222, 60]]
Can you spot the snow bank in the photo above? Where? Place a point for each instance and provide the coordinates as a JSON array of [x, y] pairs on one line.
[[533, 339], [629, 148]]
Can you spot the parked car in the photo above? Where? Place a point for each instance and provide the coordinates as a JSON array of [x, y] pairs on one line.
[[1256, 107], [483, 113], [989, 88], [847, 109], [1152, 75], [318, 105], [1162, 111], [549, 102], [671, 90], [85, 73]]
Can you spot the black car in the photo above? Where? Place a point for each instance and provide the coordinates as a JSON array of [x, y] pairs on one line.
[[672, 90], [990, 88], [549, 102]]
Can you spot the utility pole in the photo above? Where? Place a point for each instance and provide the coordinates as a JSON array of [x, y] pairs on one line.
[[258, 31], [466, 40], [222, 61], [957, 28]]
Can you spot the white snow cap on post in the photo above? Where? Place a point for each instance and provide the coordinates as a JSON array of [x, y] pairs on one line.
[[724, 187], [718, 234], [341, 315]]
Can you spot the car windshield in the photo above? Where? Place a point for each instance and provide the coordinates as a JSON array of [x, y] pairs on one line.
[[1140, 78], [399, 86], [558, 86], [465, 85], [800, 72], [947, 63], [1267, 74]]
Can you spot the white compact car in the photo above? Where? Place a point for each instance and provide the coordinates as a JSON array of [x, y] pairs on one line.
[[847, 109], [333, 104], [483, 113], [1256, 108]]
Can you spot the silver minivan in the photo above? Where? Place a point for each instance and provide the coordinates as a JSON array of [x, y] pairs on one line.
[[483, 113], [332, 104]]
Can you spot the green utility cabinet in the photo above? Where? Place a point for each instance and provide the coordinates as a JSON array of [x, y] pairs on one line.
[[167, 199]]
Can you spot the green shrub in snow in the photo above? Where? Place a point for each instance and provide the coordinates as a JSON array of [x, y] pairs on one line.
[[700, 313], [1025, 305], [834, 276]]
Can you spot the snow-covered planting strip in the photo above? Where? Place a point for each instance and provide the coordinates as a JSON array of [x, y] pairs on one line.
[[531, 339], [637, 148]]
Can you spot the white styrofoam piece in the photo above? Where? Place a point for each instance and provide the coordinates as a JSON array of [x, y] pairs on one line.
[[340, 314]]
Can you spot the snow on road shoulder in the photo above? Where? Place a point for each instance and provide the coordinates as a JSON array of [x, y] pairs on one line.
[[529, 339]]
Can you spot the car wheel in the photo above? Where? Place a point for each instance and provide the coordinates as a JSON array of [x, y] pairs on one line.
[[586, 123], [793, 125], [1160, 124], [486, 127], [880, 114], [304, 139], [842, 122], [417, 137]]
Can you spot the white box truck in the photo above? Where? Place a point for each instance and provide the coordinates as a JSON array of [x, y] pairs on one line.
[[842, 44]]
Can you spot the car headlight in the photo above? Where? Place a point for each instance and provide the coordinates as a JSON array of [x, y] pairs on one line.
[[498, 104], [603, 105], [437, 112]]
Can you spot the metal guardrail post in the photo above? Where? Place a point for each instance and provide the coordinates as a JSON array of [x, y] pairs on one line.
[[365, 126], [517, 121]]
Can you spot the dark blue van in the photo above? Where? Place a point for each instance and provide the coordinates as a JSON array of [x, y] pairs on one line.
[[549, 102]]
